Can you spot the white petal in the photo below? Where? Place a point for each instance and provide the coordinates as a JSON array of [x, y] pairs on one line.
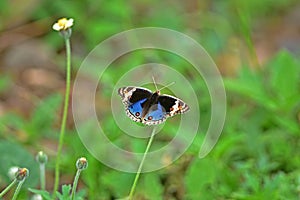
[[69, 23], [12, 172], [56, 27]]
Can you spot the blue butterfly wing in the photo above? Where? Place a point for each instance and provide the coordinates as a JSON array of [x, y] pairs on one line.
[[155, 115], [167, 106], [134, 98], [135, 110]]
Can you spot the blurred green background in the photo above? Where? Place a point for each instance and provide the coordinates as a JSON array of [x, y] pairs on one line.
[[256, 46]]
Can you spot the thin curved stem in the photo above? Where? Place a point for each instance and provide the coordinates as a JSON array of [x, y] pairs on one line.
[[75, 184], [64, 117], [141, 165], [18, 189], [8, 188]]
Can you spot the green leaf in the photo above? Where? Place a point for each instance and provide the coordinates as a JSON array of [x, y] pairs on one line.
[[118, 183], [252, 182], [199, 175], [285, 74], [151, 186], [44, 115], [66, 192], [43, 193], [80, 194], [66, 189], [60, 196], [250, 85], [11, 121]]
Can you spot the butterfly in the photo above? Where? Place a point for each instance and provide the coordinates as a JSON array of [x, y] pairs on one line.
[[150, 108]]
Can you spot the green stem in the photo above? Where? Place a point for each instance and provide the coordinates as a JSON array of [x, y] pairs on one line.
[[141, 165], [246, 32], [18, 189], [64, 117], [75, 184], [42, 176], [8, 188]]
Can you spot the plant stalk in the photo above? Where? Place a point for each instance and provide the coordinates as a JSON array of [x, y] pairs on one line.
[[18, 189], [42, 176], [74, 187], [141, 165], [8, 188], [64, 117]]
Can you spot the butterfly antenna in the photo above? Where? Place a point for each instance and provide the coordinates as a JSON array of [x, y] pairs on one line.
[[168, 85], [154, 83]]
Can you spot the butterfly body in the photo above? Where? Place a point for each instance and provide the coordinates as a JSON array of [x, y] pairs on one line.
[[150, 108]]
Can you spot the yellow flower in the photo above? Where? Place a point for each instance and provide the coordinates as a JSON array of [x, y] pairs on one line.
[[63, 24]]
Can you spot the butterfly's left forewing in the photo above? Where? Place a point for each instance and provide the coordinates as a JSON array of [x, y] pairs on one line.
[[132, 94], [134, 98]]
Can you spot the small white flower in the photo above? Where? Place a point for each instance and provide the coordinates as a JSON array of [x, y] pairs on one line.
[[37, 197], [12, 172], [63, 24]]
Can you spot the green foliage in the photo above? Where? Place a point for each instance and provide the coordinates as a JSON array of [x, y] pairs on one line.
[[256, 157], [274, 89], [284, 80], [45, 194], [117, 183], [65, 195], [39, 124], [44, 116], [150, 186], [200, 175]]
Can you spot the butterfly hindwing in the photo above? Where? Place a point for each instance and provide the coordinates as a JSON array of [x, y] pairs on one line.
[[156, 115]]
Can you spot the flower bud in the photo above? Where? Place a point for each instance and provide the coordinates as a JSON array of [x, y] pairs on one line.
[[41, 157], [21, 174], [82, 163]]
